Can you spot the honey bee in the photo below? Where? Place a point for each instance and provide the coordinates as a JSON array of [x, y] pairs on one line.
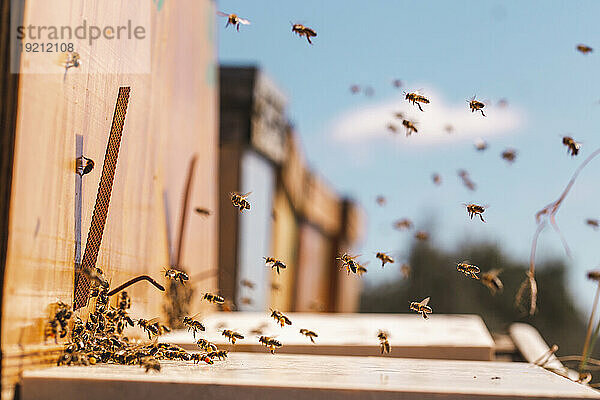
[[384, 342], [410, 127], [416, 98], [480, 144], [422, 236], [275, 263], [232, 335], [233, 19], [392, 128], [176, 275], [281, 319], [572, 146], [405, 271], [57, 326], [380, 200], [349, 262], [464, 175], [354, 89], [309, 334], [213, 298], [509, 155], [360, 270], [275, 286], [582, 48], [247, 283], [403, 224], [151, 363], [491, 281], [421, 307], [206, 345], [219, 355], [437, 179], [197, 357], [475, 105], [384, 258], [202, 211], [468, 269], [239, 200], [84, 165], [302, 30], [270, 343], [397, 83], [594, 223], [449, 129], [475, 209], [73, 60], [193, 325], [399, 115]]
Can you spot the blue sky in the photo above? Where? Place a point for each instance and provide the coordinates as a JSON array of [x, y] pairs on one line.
[[521, 51]]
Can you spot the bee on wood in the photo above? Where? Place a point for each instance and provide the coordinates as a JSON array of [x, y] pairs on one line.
[[206, 345], [384, 258], [197, 357], [468, 269], [384, 343], [233, 19], [572, 146], [422, 236], [281, 319], [416, 98], [270, 343], [405, 271], [403, 224], [232, 335], [239, 200], [410, 127], [213, 298], [219, 355], [247, 283], [464, 176], [437, 179], [84, 165], [151, 364], [354, 89], [349, 262], [594, 223], [397, 83], [302, 30], [582, 48], [475, 105], [480, 144], [392, 128], [510, 155], [193, 325], [275, 263], [421, 307], [491, 280], [202, 211], [176, 275], [380, 200], [309, 334], [475, 209]]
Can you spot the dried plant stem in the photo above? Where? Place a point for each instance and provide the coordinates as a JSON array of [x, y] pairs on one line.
[[588, 335], [135, 280]]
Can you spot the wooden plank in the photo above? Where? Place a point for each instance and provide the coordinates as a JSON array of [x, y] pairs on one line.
[[300, 377], [457, 337]]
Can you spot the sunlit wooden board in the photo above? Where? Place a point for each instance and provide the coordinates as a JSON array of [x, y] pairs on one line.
[[455, 337], [302, 377]]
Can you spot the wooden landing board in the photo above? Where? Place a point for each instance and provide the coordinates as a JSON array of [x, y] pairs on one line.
[[454, 337], [301, 377]]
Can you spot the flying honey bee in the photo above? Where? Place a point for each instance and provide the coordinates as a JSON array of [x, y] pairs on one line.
[[281, 319], [416, 98], [509, 155], [380, 200], [247, 283], [480, 144], [384, 258], [354, 89], [421, 307], [193, 325], [410, 127], [403, 224], [275, 264], [491, 280], [449, 129], [202, 211], [422, 236], [232, 335], [349, 262], [206, 345], [149, 326], [572, 146], [475, 105], [468, 269], [436, 178], [360, 270], [176, 275], [397, 83], [302, 30], [233, 19], [582, 48], [405, 271], [464, 175], [239, 201], [399, 115], [384, 343], [594, 223], [475, 209], [309, 334], [84, 165], [213, 298], [392, 128], [150, 363], [270, 343]]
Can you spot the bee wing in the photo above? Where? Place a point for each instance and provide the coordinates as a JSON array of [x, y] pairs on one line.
[[153, 321], [244, 21], [425, 301], [245, 195], [222, 14]]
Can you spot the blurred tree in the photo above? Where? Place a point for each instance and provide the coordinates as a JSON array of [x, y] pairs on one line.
[[434, 274]]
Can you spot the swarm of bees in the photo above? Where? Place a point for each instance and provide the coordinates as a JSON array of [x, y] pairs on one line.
[[475, 210], [384, 258], [475, 105], [281, 319], [572, 146], [415, 98], [309, 334], [275, 264], [384, 343], [233, 19], [305, 31], [469, 270], [239, 201], [421, 307]]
